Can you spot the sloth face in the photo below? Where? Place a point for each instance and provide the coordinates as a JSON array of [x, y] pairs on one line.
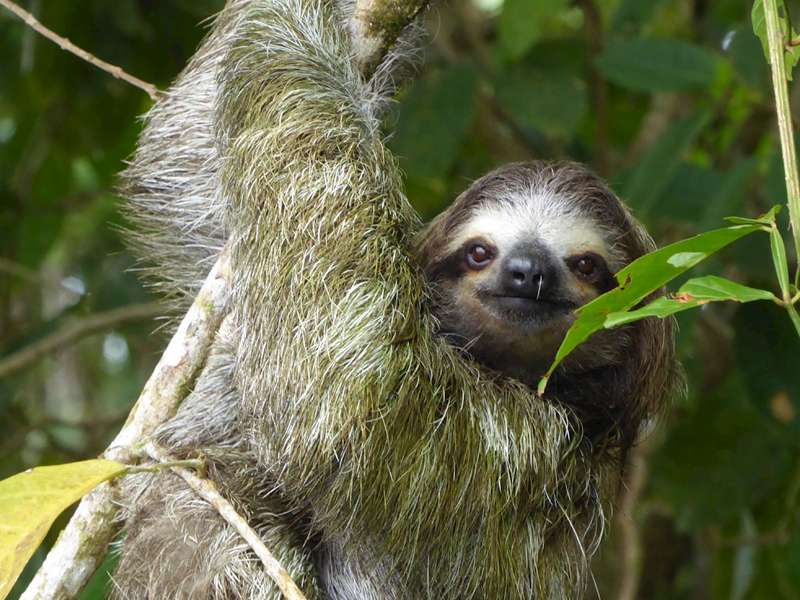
[[515, 256]]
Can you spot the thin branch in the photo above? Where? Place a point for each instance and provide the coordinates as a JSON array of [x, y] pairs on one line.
[[777, 62], [84, 543], [65, 44], [75, 331], [593, 27], [206, 489], [630, 538], [779, 537], [376, 25], [664, 107], [21, 271]]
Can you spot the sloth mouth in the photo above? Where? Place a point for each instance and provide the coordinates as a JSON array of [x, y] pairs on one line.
[[527, 307]]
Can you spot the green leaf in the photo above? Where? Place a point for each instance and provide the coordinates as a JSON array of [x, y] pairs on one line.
[[434, 117], [693, 293], [658, 64], [657, 168], [522, 22], [31, 501], [766, 219], [686, 259], [660, 307], [637, 280], [711, 288], [759, 18], [779, 258], [554, 101]]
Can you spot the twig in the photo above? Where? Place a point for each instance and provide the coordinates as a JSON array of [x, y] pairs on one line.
[[664, 106], [65, 44], [471, 18], [779, 537], [14, 268], [83, 545], [74, 331], [630, 539], [777, 61], [594, 35], [206, 489], [376, 25]]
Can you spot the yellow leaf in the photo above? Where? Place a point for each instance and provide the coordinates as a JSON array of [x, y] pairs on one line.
[[31, 501]]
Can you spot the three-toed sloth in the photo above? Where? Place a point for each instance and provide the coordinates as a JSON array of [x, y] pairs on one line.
[[369, 405]]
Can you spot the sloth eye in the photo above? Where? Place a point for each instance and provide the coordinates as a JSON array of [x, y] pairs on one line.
[[478, 257], [585, 266], [589, 267]]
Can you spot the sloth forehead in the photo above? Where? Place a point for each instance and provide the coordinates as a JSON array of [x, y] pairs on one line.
[[555, 223]]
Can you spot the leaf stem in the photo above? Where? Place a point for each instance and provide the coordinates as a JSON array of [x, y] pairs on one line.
[[794, 316], [776, 40]]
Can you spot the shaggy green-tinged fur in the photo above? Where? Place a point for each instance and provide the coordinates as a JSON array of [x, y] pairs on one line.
[[376, 460], [474, 487]]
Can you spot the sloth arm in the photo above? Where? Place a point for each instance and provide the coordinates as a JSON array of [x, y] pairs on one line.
[[324, 285]]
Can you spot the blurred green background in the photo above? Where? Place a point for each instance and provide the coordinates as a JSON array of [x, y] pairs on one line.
[[670, 100]]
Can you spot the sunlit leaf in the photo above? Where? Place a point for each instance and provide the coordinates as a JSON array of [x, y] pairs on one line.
[[693, 293], [779, 258], [686, 259], [31, 501], [639, 279], [765, 219]]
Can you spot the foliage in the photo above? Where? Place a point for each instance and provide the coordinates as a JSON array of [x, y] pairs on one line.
[[670, 100], [31, 501]]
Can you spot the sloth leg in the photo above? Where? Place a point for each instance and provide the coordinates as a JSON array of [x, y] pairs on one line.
[[178, 547]]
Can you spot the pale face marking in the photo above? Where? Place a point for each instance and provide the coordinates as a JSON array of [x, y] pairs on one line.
[[538, 217]]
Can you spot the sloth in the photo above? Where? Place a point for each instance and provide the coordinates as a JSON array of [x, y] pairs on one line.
[[515, 256], [510, 262], [369, 404]]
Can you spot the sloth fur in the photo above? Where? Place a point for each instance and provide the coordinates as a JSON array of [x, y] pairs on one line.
[[374, 457]]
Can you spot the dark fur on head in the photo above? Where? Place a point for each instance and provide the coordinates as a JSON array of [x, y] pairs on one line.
[[619, 377]]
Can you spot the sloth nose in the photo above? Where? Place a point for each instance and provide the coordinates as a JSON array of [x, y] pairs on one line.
[[527, 277]]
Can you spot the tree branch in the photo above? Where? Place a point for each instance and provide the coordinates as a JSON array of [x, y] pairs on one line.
[[74, 331], [65, 44], [630, 538], [83, 545], [593, 27], [80, 550], [777, 60], [206, 489], [376, 25]]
